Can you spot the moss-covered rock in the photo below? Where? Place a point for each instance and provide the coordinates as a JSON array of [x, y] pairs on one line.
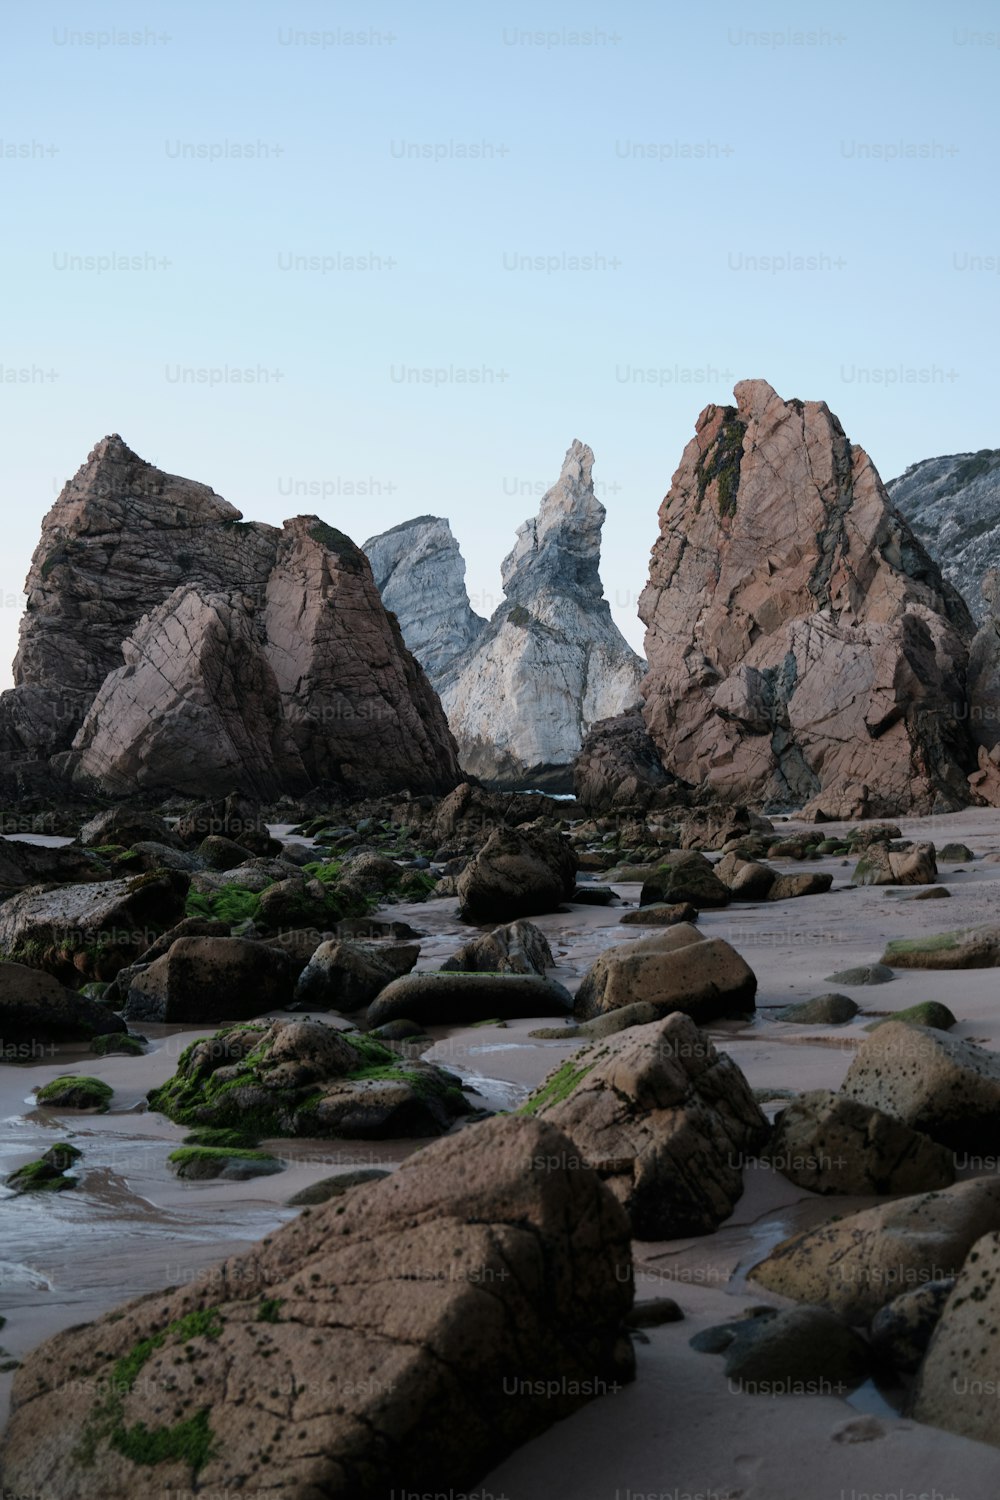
[[49, 1173], [928, 1013], [966, 948], [304, 1078], [72, 1091], [236, 1164], [87, 932], [118, 1043]]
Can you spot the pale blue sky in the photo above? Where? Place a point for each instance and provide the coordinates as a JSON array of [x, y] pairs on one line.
[[755, 129]]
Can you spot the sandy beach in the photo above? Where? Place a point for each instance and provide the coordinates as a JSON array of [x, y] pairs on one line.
[[133, 1227]]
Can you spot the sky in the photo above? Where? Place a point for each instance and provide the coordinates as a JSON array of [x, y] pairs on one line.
[[379, 261]]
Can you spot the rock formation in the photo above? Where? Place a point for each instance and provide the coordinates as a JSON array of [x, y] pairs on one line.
[[169, 646], [801, 643], [416, 1330], [358, 705], [522, 693], [420, 574], [195, 708], [952, 505]]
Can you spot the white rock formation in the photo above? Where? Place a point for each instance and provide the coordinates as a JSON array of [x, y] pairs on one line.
[[420, 574], [551, 660]]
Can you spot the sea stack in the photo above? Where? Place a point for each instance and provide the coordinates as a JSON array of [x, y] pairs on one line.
[[803, 647]]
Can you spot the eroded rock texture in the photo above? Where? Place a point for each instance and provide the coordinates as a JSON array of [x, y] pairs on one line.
[[422, 1326], [168, 645], [522, 692], [952, 505], [420, 573], [802, 645]]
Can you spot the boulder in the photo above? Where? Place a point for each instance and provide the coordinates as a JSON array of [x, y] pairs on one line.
[[822, 1010], [294, 902], [864, 974], [23, 864], [868, 834], [77, 1092], [804, 1351], [926, 1013], [595, 895], [619, 766], [687, 877], [678, 969], [235, 818], [660, 914], [958, 1381], [664, 1119], [941, 1085], [788, 887], [968, 948], [304, 1078], [801, 643], [335, 1187], [475, 1273], [857, 1264], [830, 1144], [518, 948], [470, 813], [36, 1010], [348, 975], [91, 931], [902, 1329], [210, 979], [125, 826], [218, 853], [229, 1164], [955, 854], [460, 999], [49, 1173], [747, 879], [519, 872], [880, 865]]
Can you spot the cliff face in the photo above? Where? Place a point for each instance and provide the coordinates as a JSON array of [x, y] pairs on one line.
[[420, 573], [168, 645], [801, 643], [551, 660], [952, 505]]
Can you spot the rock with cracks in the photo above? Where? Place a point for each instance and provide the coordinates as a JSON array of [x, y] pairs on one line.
[[424, 1325]]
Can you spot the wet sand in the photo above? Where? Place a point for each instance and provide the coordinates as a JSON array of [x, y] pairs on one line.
[[133, 1227]]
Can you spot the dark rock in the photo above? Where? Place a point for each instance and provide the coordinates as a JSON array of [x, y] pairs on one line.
[[35, 1010], [455, 999], [518, 948], [346, 976], [517, 873], [210, 979], [822, 1010]]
